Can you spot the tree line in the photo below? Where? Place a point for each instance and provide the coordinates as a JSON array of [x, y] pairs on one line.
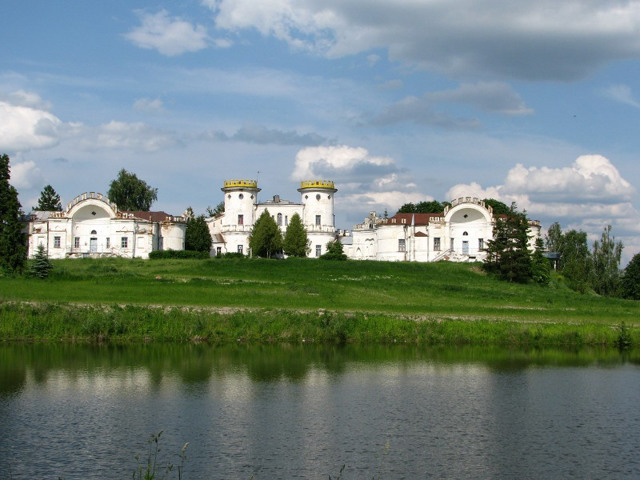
[[596, 269]]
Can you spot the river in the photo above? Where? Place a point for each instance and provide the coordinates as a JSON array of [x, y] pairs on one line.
[[80, 412]]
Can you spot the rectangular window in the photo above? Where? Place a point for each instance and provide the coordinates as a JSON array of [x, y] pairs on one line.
[[239, 248], [240, 219], [452, 244], [56, 242], [124, 242], [436, 244], [218, 251], [401, 245], [286, 220], [76, 242], [108, 242], [318, 250], [480, 244], [318, 220]]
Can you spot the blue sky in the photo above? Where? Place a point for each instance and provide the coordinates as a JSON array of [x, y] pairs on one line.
[[403, 101]]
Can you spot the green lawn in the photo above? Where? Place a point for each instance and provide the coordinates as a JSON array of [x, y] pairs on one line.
[[428, 291]]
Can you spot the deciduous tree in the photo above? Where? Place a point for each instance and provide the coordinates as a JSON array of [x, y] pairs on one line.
[[131, 193], [49, 200], [13, 251], [498, 207], [554, 238], [606, 256], [266, 238], [296, 242], [432, 206], [575, 262], [213, 212]]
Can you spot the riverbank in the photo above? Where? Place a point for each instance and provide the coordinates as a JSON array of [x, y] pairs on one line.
[[220, 301], [160, 324]]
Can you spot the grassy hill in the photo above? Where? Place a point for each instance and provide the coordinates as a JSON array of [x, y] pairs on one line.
[[294, 288]]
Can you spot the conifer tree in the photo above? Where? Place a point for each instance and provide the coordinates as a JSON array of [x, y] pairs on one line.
[[540, 267], [631, 279], [13, 251], [296, 242], [40, 266], [49, 200], [197, 235], [508, 252], [266, 238]]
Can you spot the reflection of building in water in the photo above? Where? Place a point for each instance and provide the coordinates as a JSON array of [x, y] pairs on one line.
[[460, 234]]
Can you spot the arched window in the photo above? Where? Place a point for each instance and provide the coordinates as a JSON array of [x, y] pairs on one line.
[[93, 232], [465, 234], [279, 219]]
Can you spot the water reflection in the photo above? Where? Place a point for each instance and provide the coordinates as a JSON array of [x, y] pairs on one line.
[[198, 363], [303, 411]]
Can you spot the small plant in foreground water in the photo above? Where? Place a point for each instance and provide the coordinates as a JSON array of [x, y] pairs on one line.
[[153, 471]]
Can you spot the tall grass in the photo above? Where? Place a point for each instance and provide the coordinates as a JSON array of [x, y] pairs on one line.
[[136, 324]]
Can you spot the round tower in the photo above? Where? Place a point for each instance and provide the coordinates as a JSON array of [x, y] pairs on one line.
[[240, 196], [318, 214]]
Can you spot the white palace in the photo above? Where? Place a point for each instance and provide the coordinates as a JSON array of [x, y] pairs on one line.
[[458, 234], [92, 226], [230, 230]]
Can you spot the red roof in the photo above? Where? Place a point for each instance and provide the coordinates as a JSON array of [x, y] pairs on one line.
[[155, 217]]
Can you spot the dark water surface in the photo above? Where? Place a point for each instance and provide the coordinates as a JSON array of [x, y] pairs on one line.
[[303, 412]]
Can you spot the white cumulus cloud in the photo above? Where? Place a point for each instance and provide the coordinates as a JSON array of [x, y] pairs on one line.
[[25, 175], [312, 162], [27, 128], [169, 35], [366, 182]]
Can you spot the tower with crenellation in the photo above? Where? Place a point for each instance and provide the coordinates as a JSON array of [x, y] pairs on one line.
[[231, 230]]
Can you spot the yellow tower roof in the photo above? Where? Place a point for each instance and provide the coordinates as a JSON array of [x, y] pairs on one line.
[[328, 184], [240, 184]]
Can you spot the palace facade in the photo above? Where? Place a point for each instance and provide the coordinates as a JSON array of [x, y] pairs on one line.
[[231, 229], [92, 226], [460, 234]]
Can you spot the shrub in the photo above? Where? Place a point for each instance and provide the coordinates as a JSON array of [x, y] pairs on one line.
[[334, 251], [164, 254]]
